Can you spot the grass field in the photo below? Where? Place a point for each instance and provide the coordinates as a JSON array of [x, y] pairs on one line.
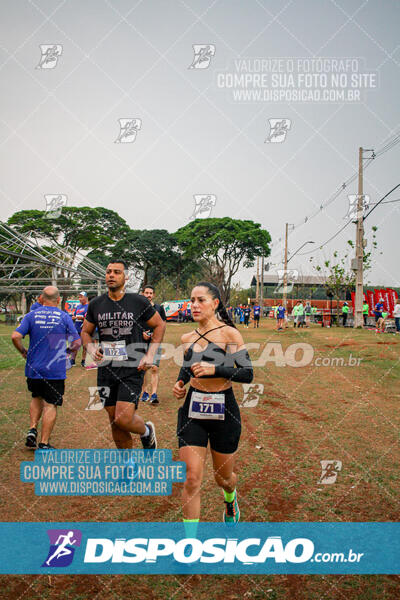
[[305, 415]]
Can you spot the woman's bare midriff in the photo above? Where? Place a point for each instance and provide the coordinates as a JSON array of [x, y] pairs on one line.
[[217, 384]]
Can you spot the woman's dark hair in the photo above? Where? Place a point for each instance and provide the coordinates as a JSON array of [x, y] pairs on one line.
[[215, 293]]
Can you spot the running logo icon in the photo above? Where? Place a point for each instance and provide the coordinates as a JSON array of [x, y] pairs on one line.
[[286, 280], [54, 205], [97, 397], [353, 211], [128, 130], [330, 470], [50, 55], [62, 547], [251, 394], [203, 205], [278, 129], [134, 280], [203, 54]]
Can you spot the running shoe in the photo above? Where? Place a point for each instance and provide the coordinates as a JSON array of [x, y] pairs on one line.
[[154, 399], [45, 446], [72, 362], [150, 441], [31, 438], [91, 366], [232, 512], [145, 397]]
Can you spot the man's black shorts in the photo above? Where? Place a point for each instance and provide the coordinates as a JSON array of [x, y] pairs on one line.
[[223, 435], [51, 390], [113, 389]]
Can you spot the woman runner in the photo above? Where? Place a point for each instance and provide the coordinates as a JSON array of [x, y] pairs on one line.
[[215, 355]]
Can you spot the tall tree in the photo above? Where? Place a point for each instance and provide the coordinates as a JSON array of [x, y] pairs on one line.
[[225, 244], [157, 254], [77, 229]]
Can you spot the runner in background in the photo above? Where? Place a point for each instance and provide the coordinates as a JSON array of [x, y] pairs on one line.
[[308, 312], [280, 315], [365, 312], [246, 313], [314, 311], [345, 312], [148, 292], [295, 314], [256, 315], [121, 319], [78, 317], [396, 315], [49, 329], [38, 303], [215, 356], [381, 323], [378, 310], [300, 315]]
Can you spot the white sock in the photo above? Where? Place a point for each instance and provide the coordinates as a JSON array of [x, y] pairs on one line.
[[146, 433]]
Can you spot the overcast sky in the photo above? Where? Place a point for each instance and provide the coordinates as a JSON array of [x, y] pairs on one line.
[[196, 133]]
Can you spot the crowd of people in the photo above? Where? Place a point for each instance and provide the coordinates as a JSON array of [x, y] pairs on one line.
[[122, 332]]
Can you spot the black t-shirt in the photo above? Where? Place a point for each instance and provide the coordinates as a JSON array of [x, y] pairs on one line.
[[160, 310], [122, 320]]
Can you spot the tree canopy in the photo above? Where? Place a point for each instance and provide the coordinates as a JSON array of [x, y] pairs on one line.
[[225, 244]]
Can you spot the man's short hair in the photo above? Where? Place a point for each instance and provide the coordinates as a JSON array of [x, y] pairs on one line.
[[119, 261], [145, 287]]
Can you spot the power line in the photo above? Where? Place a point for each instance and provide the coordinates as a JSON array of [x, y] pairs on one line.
[[392, 141], [351, 221]]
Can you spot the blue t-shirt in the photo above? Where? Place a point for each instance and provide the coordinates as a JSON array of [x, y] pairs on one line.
[[379, 308], [280, 312], [36, 305], [49, 328], [80, 310], [256, 310]]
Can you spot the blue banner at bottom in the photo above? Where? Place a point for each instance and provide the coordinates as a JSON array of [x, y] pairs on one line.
[[214, 548]]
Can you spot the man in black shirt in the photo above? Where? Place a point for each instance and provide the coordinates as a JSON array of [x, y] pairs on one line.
[[123, 356], [148, 292]]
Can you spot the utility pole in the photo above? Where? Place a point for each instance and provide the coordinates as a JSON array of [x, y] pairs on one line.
[[358, 314], [258, 281], [262, 286], [285, 267]]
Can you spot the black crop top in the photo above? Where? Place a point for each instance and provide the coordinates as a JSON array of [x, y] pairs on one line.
[[234, 366]]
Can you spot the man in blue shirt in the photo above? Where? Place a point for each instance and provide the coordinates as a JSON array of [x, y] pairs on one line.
[[78, 317], [256, 315], [378, 310], [38, 303], [48, 328]]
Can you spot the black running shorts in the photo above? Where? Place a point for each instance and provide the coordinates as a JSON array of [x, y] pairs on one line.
[[223, 435], [113, 389], [51, 390]]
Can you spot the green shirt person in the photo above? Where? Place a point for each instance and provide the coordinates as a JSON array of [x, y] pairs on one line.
[[365, 308], [345, 310]]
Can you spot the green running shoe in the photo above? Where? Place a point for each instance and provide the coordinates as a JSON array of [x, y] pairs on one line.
[[232, 512]]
